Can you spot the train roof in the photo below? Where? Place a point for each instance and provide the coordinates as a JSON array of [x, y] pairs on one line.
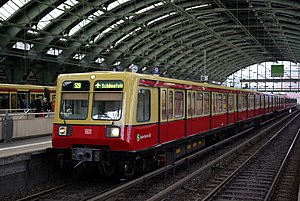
[[25, 86], [154, 78]]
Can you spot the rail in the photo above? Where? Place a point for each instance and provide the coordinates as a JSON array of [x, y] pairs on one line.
[[177, 185]]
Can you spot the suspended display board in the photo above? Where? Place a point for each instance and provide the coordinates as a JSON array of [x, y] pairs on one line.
[[277, 70]]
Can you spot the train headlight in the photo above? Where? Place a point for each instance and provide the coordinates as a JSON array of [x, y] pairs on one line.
[[112, 132], [62, 130]]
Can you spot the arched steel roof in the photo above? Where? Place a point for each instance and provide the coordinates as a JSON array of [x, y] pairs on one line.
[[183, 38]]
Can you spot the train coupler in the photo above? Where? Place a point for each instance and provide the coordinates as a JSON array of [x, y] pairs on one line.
[[87, 154]]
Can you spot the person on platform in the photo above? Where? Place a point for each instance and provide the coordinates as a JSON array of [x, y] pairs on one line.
[[53, 104]]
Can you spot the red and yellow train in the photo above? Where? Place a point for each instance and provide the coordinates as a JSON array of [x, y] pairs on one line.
[[19, 96], [127, 121]]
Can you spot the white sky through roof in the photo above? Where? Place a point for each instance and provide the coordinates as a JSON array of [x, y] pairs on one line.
[[11, 7]]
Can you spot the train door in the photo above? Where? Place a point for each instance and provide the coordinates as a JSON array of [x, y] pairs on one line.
[[163, 115], [189, 113], [13, 100]]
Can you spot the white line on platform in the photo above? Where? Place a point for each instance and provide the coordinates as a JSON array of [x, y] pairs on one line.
[[25, 145]]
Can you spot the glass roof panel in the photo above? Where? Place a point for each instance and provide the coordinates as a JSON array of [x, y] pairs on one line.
[[85, 22], [56, 13], [199, 6], [108, 30], [161, 18], [149, 8], [11, 7], [115, 4]]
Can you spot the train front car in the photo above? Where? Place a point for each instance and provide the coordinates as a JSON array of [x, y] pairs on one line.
[[93, 119]]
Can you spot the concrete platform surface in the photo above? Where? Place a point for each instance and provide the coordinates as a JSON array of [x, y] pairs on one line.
[[24, 146]]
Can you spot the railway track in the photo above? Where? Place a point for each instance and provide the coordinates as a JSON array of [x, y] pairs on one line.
[[79, 190], [217, 185], [144, 185], [256, 178]]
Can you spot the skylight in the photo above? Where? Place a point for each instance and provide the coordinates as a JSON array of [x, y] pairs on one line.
[[85, 22], [161, 18], [196, 7], [99, 60], [11, 7], [54, 51], [108, 30], [22, 46], [115, 4], [149, 8], [128, 35], [79, 56], [56, 13]]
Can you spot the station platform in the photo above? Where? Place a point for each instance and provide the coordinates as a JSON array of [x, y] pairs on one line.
[[24, 146]]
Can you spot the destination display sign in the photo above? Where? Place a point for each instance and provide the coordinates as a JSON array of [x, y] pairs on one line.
[[108, 85], [76, 86]]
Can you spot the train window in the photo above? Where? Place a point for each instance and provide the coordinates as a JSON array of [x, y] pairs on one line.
[[178, 104], [4, 101], [231, 103], [240, 102], [206, 103], [13, 99], [163, 105], [143, 106], [193, 104], [170, 108], [107, 106], [257, 101], [74, 105], [262, 101], [199, 104], [242, 105], [250, 101], [189, 108], [245, 102], [224, 102], [214, 104], [219, 103]]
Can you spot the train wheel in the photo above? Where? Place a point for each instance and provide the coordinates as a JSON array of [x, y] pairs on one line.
[[107, 168], [128, 169]]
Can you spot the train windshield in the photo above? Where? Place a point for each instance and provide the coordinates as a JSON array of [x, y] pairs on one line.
[[74, 105], [107, 105]]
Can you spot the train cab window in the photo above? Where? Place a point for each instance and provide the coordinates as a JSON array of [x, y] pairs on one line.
[[163, 105], [206, 103], [107, 106], [170, 104], [74, 105], [199, 104], [143, 106], [178, 103]]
